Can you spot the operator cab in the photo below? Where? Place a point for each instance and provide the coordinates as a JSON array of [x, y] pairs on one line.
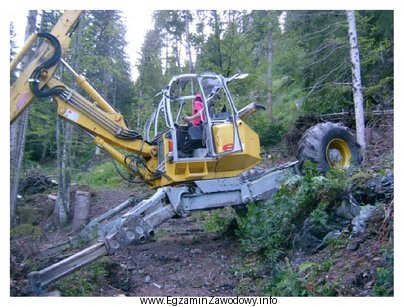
[[202, 143]]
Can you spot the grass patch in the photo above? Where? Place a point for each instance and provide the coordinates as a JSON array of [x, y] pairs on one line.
[[24, 230], [28, 215], [87, 280], [102, 176]]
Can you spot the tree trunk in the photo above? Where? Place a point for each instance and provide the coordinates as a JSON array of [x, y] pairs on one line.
[[231, 23], [114, 94], [217, 39], [81, 210], [356, 82], [61, 205], [64, 135], [138, 108], [45, 145], [18, 131], [167, 43], [189, 51], [16, 160], [269, 73], [177, 52]]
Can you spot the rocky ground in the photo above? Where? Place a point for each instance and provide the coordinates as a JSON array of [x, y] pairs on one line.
[[186, 260]]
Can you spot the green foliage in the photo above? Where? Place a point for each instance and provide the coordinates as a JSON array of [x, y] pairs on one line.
[[217, 220], [318, 53], [98, 51], [267, 227], [40, 142], [376, 42], [249, 272], [286, 283], [320, 47], [83, 283], [150, 80], [306, 280], [384, 282], [104, 58], [337, 243], [24, 230], [270, 132], [27, 214], [319, 217], [103, 175]]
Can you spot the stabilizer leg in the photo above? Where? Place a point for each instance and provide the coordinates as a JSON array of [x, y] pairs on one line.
[[134, 227]]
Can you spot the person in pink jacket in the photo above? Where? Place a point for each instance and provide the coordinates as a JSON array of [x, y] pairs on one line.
[[198, 112]]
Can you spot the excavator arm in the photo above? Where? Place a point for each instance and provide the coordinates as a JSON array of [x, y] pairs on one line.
[[99, 119]]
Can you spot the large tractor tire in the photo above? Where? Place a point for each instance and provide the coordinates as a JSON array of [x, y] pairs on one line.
[[329, 145]]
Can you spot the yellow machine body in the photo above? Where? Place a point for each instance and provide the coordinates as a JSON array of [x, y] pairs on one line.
[[213, 168]]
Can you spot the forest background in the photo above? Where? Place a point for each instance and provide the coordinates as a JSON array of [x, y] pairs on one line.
[[298, 63]]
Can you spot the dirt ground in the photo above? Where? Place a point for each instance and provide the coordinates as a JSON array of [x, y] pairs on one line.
[[185, 261]]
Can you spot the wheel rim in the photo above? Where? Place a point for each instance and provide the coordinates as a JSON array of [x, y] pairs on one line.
[[338, 154]]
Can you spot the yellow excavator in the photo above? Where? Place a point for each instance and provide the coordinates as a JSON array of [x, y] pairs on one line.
[[192, 166]]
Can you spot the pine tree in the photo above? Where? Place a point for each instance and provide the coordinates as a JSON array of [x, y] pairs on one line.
[[150, 79], [104, 59], [172, 28]]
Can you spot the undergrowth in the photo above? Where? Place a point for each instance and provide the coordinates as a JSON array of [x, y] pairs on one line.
[[268, 231], [384, 279], [267, 228], [85, 281], [103, 175]]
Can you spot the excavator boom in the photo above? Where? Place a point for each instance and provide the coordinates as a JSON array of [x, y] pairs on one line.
[[20, 92], [99, 119]]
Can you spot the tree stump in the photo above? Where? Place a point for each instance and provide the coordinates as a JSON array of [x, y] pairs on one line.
[[81, 209]]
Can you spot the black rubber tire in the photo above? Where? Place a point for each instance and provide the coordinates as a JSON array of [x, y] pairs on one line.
[[315, 142]]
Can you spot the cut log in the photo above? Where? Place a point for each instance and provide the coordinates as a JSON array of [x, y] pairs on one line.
[[81, 209]]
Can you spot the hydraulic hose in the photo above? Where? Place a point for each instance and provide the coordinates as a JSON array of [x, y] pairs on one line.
[[52, 61]]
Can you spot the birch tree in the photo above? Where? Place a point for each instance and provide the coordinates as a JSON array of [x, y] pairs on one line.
[[356, 81]]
